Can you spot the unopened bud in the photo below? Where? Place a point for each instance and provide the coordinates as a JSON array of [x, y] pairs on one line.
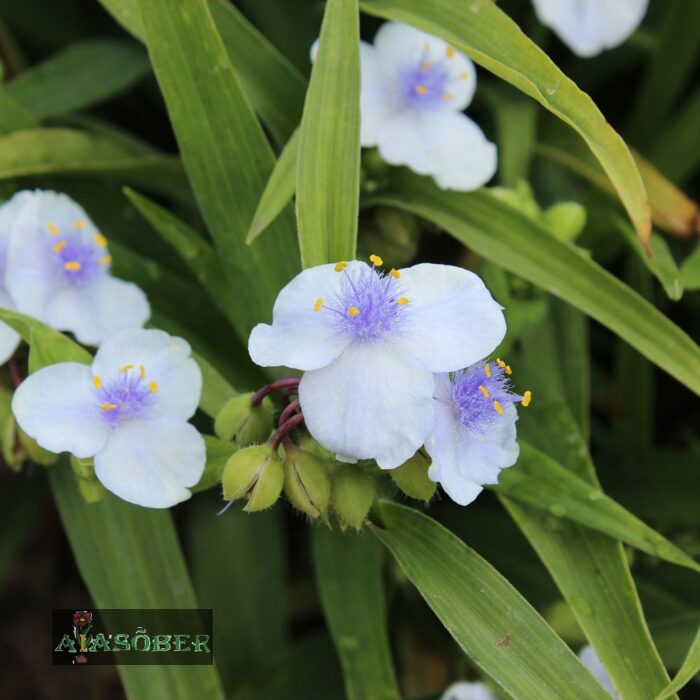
[[566, 219], [412, 478], [352, 494], [306, 482], [90, 488], [255, 473], [238, 420]]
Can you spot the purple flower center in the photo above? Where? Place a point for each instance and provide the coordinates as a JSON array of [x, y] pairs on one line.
[[126, 395], [78, 260], [369, 304], [427, 84], [481, 393]]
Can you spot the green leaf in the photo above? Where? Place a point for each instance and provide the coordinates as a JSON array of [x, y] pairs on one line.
[[246, 590], [490, 620], [660, 263], [349, 577], [493, 40], [58, 151], [129, 557], [690, 270], [274, 87], [328, 168], [12, 115], [218, 453], [278, 191], [82, 75], [224, 150], [685, 674], [503, 235], [540, 481], [197, 254], [216, 391]]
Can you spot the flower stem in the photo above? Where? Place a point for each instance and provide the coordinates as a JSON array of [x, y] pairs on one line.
[[15, 372], [288, 412], [261, 393], [284, 429]]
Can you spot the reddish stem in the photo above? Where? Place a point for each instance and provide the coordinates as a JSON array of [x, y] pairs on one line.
[[261, 393], [284, 429], [288, 412], [286, 393], [15, 372]]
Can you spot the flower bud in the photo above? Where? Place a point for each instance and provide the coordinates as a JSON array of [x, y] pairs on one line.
[[352, 495], [90, 488], [255, 473], [306, 482], [243, 423], [566, 219], [412, 478]]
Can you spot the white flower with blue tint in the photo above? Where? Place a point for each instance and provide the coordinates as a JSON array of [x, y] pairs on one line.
[[469, 691], [58, 271], [129, 411], [473, 436], [369, 343], [9, 340], [414, 87], [592, 662], [588, 27]]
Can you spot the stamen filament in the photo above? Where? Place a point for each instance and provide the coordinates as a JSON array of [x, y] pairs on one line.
[[394, 273], [126, 368]]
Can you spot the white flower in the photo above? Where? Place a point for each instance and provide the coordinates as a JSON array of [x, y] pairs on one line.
[[588, 27], [129, 411], [414, 88], [369, 344], [9, 340], [473, 435], [58, 271], [468, 691], [591, 661]]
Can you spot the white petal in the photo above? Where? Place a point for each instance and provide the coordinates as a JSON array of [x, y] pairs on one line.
[[8, 213], [377, 99], [9, 339], [463, 159], [400, 141], [95, 312], [592, 662], [57, 407], [150, 463], [454, 321], [588, 27], [461, 490], [166, 360], [371, 403], [299, 336], [468, 691]]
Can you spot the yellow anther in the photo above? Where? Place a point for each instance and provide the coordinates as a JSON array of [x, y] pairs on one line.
[[105, 260], [142, 371], [487, 369], [424, 66], [79, 224], [108, 406], [484, 391], [509, 371], [353, 311], [97, 381], [450, 52], [394, 273], [72, 266], [53, 229], [340, 266], [59, 246], [376, 260], [126, 368], [527, 397], [153, 386], [319, 304], [100, 240], [448, 96], [402, 300], [421, 89], [498, 408], [500, 363], [464, 75]]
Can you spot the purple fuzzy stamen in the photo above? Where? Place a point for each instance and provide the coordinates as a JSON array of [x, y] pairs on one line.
[[125, 396], [77, 260], [425, 85]]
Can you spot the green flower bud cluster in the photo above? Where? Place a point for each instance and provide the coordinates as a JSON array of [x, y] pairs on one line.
[[244, 423], [255, 473]]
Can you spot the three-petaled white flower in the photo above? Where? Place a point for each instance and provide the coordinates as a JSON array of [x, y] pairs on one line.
[[473, 435], [369, 343], [414, 87], [129, 411], [57, 270], [588, 27], [9, 340]]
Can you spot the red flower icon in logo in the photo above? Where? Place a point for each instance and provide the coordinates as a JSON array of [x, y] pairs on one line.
[[82, 618]]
